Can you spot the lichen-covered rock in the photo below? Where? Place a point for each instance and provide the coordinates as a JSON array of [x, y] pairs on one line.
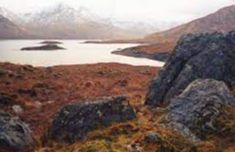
[[195, 56], [15, 135], [194, 112], [74, 121]]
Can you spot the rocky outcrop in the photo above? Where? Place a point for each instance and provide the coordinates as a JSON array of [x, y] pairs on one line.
[[73, 122], [194, 113], [15, 135], [195, 56]]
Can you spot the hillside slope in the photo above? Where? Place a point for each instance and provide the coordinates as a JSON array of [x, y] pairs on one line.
[[162, 43], [221, 21], [10, 30]]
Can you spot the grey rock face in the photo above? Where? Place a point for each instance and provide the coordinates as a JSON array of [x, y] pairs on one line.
[[193, 113], [152, 137], [73, 122], [195, 56], [15, 135]]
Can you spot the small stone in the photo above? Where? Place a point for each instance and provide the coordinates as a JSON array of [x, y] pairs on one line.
[[17, 109], [50, 102], [37, 104], [152, 137], [134, 148]]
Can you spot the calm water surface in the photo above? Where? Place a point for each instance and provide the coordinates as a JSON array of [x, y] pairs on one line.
[[76, 52]]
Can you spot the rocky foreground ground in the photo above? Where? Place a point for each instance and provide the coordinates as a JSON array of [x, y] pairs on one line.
[[189, 106], [36, 94]]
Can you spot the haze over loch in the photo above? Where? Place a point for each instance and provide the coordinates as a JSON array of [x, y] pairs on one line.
[[75, 52]]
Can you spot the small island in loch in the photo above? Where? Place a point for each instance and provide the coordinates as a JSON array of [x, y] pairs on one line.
[[46, 47]]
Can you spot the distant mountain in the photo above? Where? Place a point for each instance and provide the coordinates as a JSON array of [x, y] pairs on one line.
[[63, 21], [9, 30], [221, 21], [137, 28], [10, 15], [60, 13], [144, 28]]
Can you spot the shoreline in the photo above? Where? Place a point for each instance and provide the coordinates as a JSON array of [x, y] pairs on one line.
[[160, 52], [134, 41], [84, 64], [161, 57]]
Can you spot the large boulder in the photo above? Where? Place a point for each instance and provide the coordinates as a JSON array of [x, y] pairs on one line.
[[194, 113], [195, 56], [74, 121], [15, 135]]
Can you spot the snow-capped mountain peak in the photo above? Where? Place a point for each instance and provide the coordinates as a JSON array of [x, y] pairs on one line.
[[61, 13], [65, 21], [10, 15]]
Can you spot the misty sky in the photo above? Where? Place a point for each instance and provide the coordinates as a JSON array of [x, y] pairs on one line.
[[132, 10]]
